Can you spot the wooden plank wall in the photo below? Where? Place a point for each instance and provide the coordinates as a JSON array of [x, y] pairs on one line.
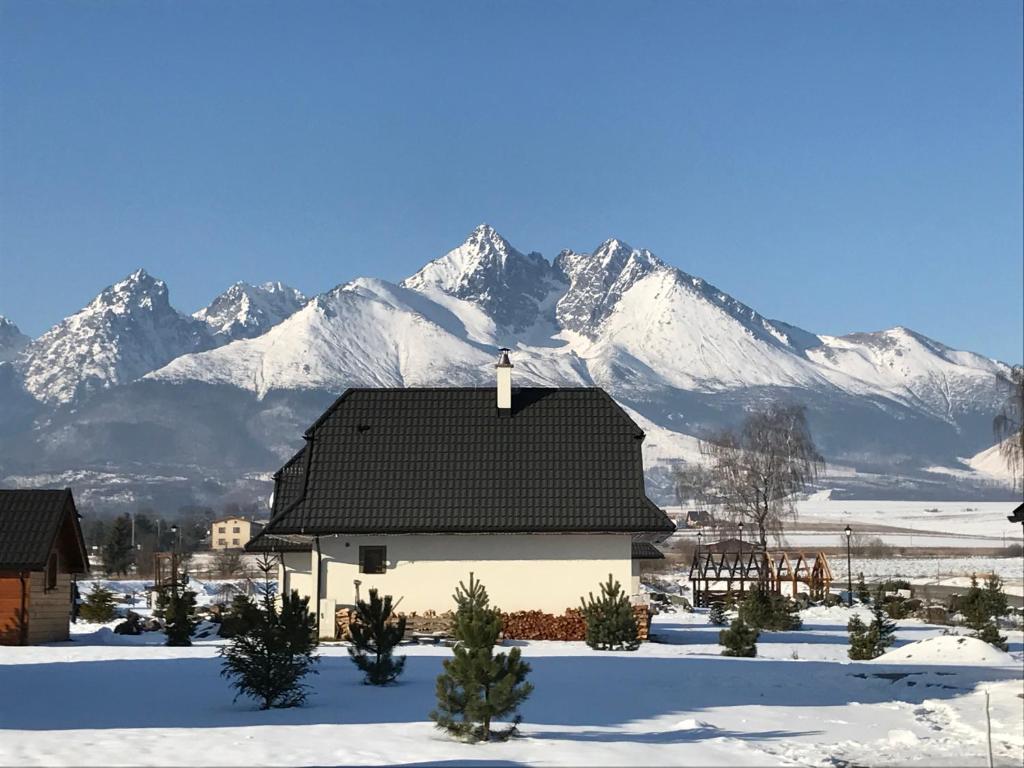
[[49, 615], [10, 610]]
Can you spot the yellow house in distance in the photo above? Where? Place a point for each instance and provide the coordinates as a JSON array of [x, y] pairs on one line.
[[232, 532]]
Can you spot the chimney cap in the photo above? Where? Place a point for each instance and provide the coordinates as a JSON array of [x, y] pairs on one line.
[[503, 361]]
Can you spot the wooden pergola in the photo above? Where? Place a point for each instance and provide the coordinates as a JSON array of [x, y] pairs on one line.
[[740, 570]]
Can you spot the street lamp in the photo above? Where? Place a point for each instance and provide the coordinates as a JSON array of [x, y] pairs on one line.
[[175, 539], [743, 568], [700, 570], [849, 569]]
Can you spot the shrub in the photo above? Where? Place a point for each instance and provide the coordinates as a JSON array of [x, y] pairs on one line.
[[990, 634], [740, 639], [861, 590], [870, 641], [611, 624], [896, 608], [375, 634], [477, 685], [240, 617], [99, 605], [179, 615], [762, 609], [716, 615], [270, 659]]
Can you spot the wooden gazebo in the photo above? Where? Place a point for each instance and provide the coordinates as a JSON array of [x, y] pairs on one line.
[[717, 571]]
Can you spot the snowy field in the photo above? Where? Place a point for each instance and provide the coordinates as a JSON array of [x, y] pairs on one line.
[[103, 699]]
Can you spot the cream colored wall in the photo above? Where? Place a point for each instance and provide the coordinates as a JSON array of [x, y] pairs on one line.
[[243, 535], [296, 568], [521, 572]]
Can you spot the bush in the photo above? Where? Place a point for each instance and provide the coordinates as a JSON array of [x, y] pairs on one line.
[[240, 617], [99, 606], [990, 634], [611, 624], [869, 641], [765, 610], [477, 685], [896, 608], [861, 590], [179, 615], [716, 615], [375, 634], [740, 639], [268, 661], [1014, 550]]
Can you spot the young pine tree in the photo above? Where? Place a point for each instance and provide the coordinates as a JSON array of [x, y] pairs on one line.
[[269, 660], [740, 639], [179, 615], [716, 614], [478, 686], [375, 634], [862, 646], [990, 634], [883, 629], [241, 615], [611, 624], [994, 598], [98, 606], [762, 609], [869, 641], [117, 549], [861, 591]]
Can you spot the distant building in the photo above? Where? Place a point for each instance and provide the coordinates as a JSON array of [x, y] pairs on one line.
[[232, 532], [41, 548], [694, 518]]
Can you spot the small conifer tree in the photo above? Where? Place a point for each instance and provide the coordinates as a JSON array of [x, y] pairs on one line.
[[863, 594], [99, 605], [611, 624], [869, 641], [884, 630], [179, 615], [375, 634], [241, 615], [270, 659], [478, 686], [861, 646], [716, 614], [995, 601], [762, 609], [990, 634], [740, 639]]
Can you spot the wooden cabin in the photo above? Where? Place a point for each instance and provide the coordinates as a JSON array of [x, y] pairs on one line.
[[41, 550]]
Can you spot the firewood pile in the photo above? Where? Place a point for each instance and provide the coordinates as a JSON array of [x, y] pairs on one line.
[[519, 625]]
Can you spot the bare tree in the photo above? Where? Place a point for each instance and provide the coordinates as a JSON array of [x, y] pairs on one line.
[[751, 476], [1008, 426]]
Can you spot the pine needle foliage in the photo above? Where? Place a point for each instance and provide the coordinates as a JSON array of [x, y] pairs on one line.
[[869, 641], [765, 610], [375, 634], [268, 661], [241, 615], [716, 614], [479, 687], [179, 615], [611, 624], [740, 639], [990, 634], [862, 592], [98, 606]]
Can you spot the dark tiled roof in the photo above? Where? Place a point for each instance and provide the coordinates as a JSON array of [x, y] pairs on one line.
[[643, 550], [1018, 515], [447, 461], [31, 521], [264, 542]]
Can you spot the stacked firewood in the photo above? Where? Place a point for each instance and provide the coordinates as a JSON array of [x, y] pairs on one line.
[[642, 614], [429, 623]]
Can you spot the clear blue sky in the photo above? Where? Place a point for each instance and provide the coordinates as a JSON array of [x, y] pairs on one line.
[[843, 166]]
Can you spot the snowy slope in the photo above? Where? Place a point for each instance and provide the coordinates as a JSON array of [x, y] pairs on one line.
[[244, 311], [129, 329], [992, 462], [12, 340]]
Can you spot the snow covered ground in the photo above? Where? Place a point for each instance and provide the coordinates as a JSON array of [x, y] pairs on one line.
[[103, 699]]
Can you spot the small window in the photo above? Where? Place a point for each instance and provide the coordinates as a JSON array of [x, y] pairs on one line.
[[51, 571], [235, 542], [221, 542], [373, 559], [222, 529], [236, 529]]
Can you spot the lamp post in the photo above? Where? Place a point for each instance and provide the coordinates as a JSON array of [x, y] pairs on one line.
[[700, 570], [743, 569], [849, 568], [175, 538]]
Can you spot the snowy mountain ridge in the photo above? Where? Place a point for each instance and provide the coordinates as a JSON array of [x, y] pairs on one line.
[[684, 357]]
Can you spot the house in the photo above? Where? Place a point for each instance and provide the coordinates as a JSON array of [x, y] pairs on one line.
[[232, 532], [539, 492], [694, 518], [41, 548]]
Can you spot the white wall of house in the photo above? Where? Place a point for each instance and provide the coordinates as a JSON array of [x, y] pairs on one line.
[[295, 572], [546, 572]]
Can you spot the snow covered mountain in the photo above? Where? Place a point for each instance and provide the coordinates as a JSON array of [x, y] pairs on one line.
[[12, 340], [231, 388], [244, 311], [128, 330]]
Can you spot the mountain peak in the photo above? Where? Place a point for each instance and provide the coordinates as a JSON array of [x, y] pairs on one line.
[[245, 310], [488, 271], [12, 340]]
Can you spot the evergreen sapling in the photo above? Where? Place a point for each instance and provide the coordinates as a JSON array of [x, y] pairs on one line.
[[478, 686], [268, 661], [375, 634], [99, 605], [740, 639], [179, 615], [611, 624], [862, 592], [716, 614]]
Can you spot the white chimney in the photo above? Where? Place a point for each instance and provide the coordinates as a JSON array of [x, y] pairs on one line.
[[504, 381]]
